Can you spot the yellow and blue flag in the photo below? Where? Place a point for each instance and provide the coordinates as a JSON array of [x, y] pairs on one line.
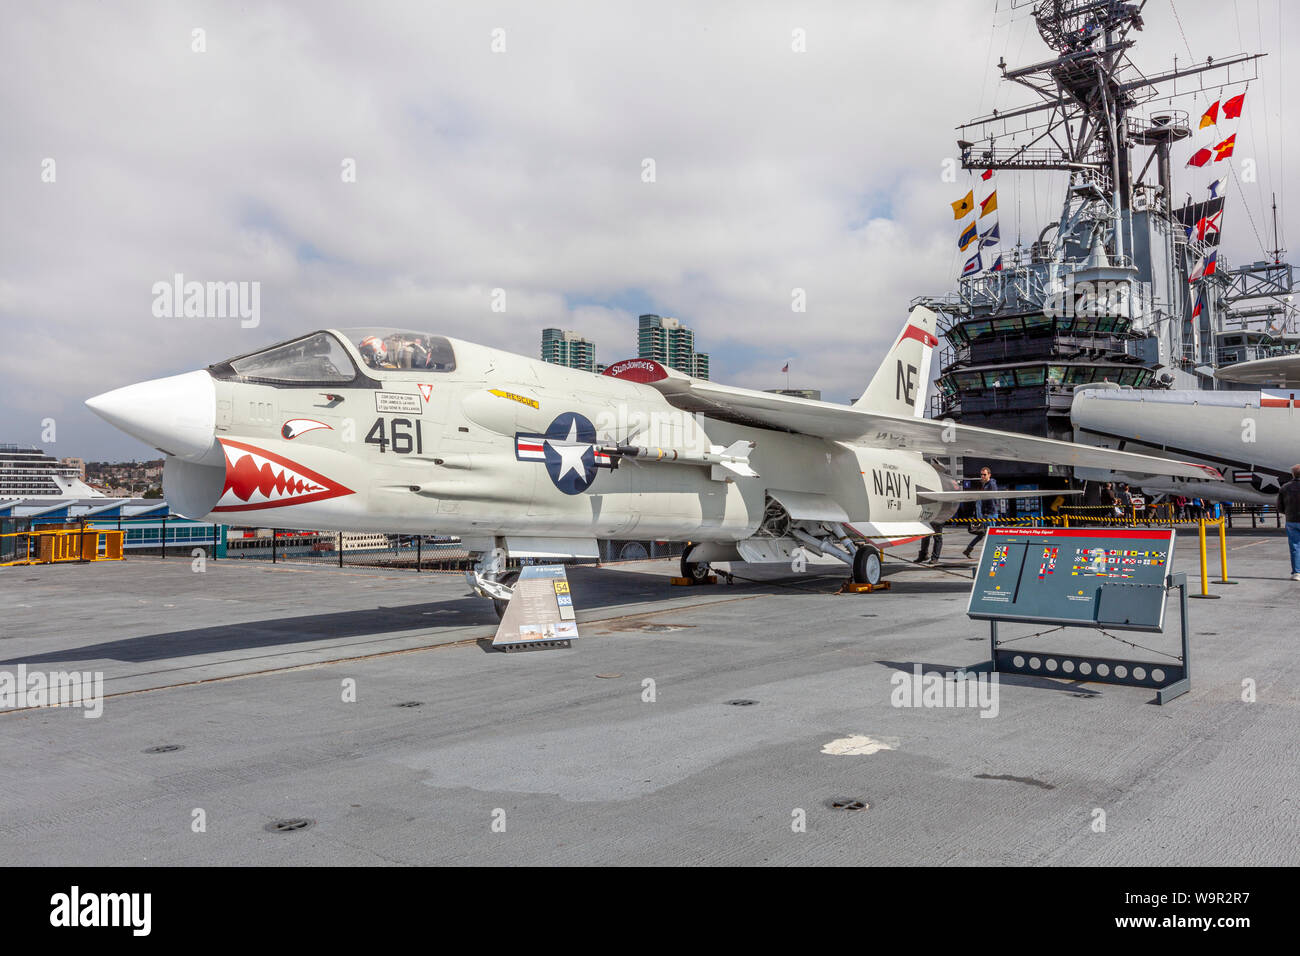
[[967, 237]]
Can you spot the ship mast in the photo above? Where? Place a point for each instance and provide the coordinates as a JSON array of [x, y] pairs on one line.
[[1277, 252], [1082, 123], [1104, 301]]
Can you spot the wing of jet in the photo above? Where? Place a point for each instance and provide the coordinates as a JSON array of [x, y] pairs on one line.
[[895, 431], [1250, 436]]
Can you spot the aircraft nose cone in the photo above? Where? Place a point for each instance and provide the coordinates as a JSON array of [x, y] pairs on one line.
[[176, 415]]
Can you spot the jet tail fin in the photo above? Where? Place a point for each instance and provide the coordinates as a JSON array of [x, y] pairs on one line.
[[900, 384]]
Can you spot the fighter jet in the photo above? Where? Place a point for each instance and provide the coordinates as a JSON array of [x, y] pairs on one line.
[[412, 432], [1250, 436]]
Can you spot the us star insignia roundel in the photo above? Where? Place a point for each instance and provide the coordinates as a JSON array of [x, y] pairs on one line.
[[569, 450]]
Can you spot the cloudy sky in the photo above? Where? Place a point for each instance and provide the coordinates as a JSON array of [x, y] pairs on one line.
[[519, 169]]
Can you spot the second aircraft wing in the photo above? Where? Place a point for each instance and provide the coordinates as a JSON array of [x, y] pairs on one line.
[[923, 435]]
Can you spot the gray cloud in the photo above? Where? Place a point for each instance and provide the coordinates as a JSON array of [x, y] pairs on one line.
[[519, 170]]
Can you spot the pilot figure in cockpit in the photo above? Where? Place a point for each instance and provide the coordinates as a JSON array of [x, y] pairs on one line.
[[373, 351]]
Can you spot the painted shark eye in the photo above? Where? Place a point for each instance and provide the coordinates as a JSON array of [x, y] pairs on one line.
[[300, 426]]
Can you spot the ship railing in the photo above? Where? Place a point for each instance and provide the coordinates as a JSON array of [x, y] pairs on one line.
[[1017, 286], [1138, 125], [1232, 354], [1029, 287]]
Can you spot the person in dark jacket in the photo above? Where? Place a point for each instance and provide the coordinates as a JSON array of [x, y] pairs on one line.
[[986, 510], [1288, 503]]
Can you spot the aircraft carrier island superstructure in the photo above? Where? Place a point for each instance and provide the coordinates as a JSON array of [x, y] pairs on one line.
[[1127, 287]]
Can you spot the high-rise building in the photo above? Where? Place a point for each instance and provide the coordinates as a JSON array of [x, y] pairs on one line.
[[670, 343], [568, 348]]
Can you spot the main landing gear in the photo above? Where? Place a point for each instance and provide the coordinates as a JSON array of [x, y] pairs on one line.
[[864, 560], [866, 565]]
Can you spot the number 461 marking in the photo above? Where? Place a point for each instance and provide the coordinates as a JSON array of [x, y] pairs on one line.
[[402, 440]]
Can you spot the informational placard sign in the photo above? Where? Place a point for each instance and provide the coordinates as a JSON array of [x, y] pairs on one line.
[[1111, 577], [1102, 578], [540, 614]]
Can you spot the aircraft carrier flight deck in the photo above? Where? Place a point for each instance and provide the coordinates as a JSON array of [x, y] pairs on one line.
[[315, 715]]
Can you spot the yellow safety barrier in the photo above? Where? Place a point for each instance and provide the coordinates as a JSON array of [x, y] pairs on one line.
[[1161, 514], [67, 544], [25, 545], [102, 544], [1222, 525]]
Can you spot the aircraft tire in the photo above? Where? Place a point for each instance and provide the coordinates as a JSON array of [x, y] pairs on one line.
[[509, 578], [866, 565], [696, 570]]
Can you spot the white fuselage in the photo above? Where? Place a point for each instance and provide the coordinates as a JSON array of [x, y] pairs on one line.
[[499, 447]]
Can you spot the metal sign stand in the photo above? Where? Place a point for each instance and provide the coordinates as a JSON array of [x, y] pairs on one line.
[[1168, 680], [1106, 579], [540, 613]]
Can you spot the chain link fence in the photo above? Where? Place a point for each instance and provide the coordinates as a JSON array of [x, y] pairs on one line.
[[399, 552]]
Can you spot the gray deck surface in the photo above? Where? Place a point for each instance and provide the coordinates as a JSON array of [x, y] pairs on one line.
[[244, 666]]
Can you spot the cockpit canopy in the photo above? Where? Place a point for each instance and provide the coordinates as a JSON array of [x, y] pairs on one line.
[[398, 349], [328, 358]]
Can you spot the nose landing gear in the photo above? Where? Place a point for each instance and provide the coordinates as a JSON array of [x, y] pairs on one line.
[[507, 580], [490, 579], [695, 570]]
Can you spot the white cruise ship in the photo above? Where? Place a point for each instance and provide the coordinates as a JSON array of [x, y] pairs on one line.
[[28, 472]]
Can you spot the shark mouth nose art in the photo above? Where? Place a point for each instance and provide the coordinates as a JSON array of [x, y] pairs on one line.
[[257, 478]]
